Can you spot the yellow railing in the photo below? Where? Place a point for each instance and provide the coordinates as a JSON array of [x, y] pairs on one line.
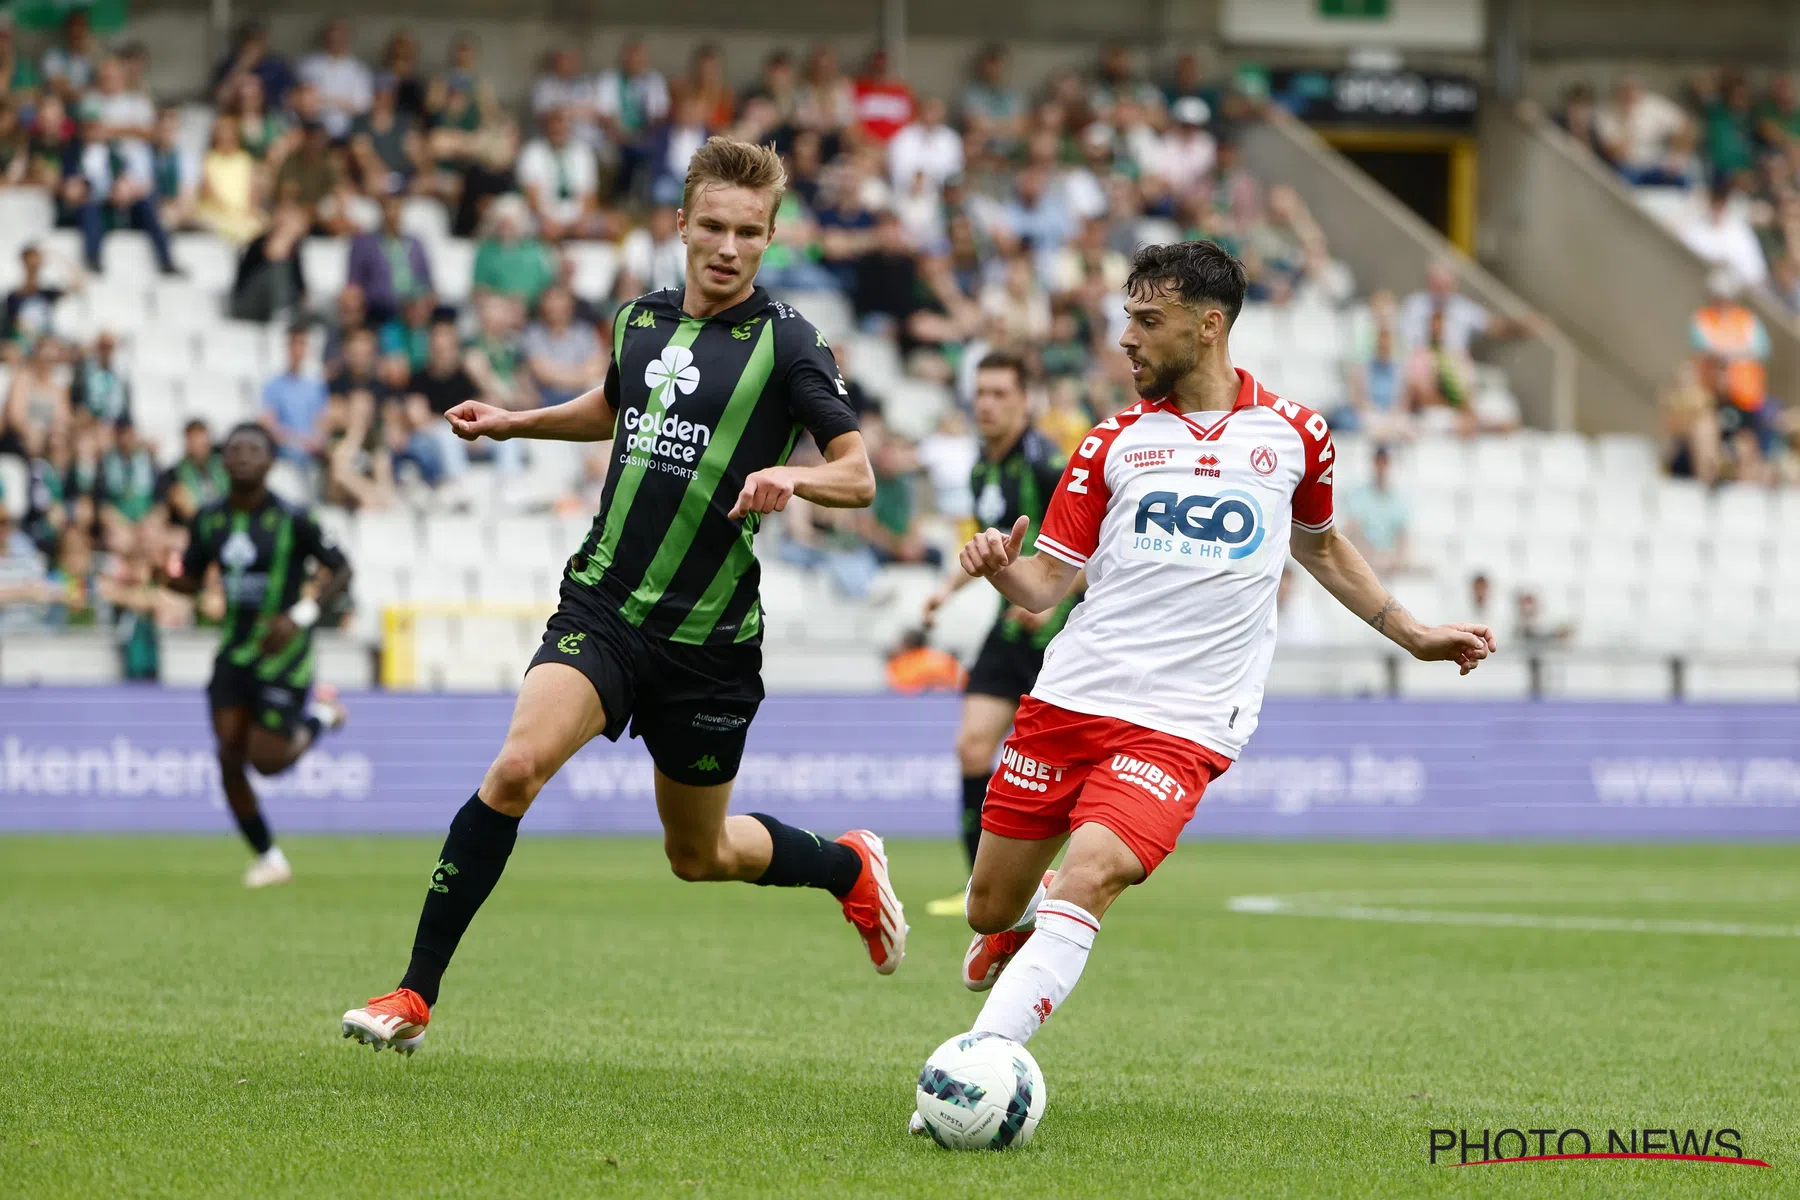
[[400, 632]]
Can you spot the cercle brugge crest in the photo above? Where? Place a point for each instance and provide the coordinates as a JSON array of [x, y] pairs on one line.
[[670, 373]]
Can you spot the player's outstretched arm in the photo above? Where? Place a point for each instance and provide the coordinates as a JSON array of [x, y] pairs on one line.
[[844, 480], [1336, 564], [1033, 583], [589, 417]]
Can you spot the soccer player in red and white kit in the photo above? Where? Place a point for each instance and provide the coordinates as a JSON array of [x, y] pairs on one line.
[[1182, 509]]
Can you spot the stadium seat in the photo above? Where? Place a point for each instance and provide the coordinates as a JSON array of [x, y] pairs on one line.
[[1761, 682], [1437, 465], [1567, 457], [1499, 678], [119, 310], [426, 219], [525, 541], [26, 214], [1670, 619], [784, 594], [913, 407], [431, 582], [127, 261], [1620, 512], [829, 312], [378, 583], [390, 537], [1732, 617], [326, 264], [72, 319], [339, 525], [1674, 560], [1682, 508], [1626, 457], [208, 259], [1743, 562], [1608, 616], [874, 363], [1327, 673], [220, 400], [15, 485], [163, 352], [1589, 677], [1496, 513], [516, 587], [453, 269], [457, 540], [567, 534], [235, 348], [156, 411], [1741, 510], [1498, 462], [184, 306], [66, 657], [596, 267]]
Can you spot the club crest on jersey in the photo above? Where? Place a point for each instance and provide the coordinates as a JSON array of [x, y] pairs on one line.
[[1196, 530], [671, 372], [238, 553], [990, 506], [1207, 465], [1262, 460]]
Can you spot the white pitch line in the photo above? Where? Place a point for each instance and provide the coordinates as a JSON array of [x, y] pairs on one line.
[[1277, 906]]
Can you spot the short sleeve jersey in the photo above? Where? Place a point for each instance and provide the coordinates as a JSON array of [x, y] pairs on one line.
[[1182, 523], [1020, 484], [702, 403], [262, 556]]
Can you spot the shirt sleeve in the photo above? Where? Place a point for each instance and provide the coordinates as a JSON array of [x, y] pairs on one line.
[[1312, 495], [199, 553], [611, 389], [817, 397], [1071, 529], [313, 542]]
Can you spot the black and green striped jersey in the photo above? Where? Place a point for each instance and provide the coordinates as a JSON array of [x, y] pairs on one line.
[[702, 403], [1020, 484], [262, 555]]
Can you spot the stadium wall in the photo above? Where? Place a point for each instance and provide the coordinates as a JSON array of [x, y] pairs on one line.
[[114, 759]]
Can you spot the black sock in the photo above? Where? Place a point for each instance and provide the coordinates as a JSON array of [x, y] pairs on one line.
[[468, 867], [800, 858], [316, 724], [974, 794], [255, 830]]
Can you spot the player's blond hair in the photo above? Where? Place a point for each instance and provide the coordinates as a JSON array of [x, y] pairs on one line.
[[729, 163]]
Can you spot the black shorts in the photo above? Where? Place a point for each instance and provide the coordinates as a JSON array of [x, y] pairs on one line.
[[274, 705], [1004, 668], [692, 705]]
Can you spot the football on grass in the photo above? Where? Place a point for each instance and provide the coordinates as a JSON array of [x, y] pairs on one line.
[[981, 1091]]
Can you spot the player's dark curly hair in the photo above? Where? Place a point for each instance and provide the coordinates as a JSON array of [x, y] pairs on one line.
[[251, 429], [1196, 273]]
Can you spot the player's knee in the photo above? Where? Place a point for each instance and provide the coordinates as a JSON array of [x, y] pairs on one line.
[[991, 910], [1094, 884], [693, 864], [514, 780], [975, 752], [231, 762], [269, 764]]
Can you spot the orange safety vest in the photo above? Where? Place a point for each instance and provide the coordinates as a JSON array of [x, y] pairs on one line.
[[1729, 332], [924, 670]]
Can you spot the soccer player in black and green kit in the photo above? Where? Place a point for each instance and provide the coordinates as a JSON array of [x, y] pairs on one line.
[[1015, 477], [659, 626], [262, 712]]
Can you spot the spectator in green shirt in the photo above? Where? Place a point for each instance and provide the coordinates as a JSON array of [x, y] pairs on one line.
[[509, 261], [1778, 117], [1729, 122]]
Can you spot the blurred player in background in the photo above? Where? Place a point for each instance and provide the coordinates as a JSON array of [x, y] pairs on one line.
[[263, 712], [1014, 478], [660, 624], [1182, 510]]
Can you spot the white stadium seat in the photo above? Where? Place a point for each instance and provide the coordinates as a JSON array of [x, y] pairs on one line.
[[596, 267], [15, 486], [325, 262], [1564, 457], [235, 348], [127, 260], [426, 219], [458, 541], [209, 261], [453, 269], [389, 536], [165, 352]]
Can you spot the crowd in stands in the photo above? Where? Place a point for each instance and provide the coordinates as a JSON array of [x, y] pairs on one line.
[[941, 227], [1732, 148]]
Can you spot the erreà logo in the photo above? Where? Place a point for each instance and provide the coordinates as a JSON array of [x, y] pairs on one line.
[[1232, 518]]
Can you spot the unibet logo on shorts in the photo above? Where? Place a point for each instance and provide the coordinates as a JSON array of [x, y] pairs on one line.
[[1149, 776], [1027, 774]]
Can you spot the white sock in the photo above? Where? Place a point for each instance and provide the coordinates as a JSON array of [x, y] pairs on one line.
[[1042, 974], [1029, 920]]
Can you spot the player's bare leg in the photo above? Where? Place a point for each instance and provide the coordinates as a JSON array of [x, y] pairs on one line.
[[704, 844], [234, 733], [1011, 875], [557, 713], [1098, 866], [985, 720]]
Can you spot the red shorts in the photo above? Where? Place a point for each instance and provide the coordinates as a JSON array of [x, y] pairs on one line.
[[1061, 769]]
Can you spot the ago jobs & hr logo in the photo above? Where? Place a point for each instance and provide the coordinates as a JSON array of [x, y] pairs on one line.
[[1213, 530], [657, 431]]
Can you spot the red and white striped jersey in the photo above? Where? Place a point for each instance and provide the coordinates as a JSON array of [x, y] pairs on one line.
[[1182, 522]]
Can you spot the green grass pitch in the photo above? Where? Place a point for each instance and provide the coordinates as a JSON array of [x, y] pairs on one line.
[[607, 1030]]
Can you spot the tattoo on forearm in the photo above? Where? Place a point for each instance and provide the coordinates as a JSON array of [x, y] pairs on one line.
[[1390, 607]]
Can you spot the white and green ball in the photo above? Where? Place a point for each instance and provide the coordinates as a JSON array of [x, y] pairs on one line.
[[981, 1091]]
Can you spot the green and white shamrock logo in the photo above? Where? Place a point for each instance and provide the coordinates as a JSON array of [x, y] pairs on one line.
[[673, 372]]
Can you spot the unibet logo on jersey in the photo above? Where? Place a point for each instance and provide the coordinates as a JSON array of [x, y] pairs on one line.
[[1216, 530], [657, 432]]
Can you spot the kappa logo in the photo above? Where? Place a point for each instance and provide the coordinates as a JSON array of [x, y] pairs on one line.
[[644, 320], [822, 340], [570, 643], [705, 762], [1207, 465], [1262, 460]]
